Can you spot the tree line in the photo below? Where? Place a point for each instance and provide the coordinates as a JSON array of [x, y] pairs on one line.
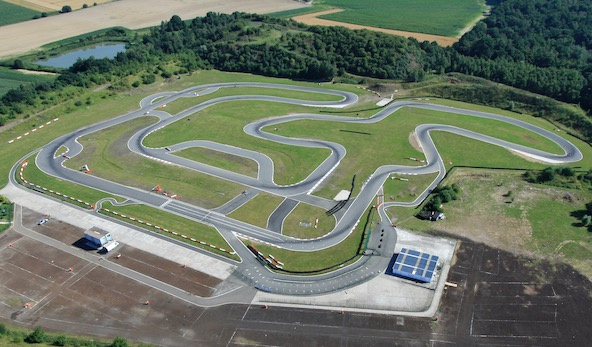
[[250, 43]]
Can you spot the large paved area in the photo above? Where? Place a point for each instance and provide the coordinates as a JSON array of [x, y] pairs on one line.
[[132, 14], [500, 300]]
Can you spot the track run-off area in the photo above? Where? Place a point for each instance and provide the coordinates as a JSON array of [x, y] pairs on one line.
[[231, 229]]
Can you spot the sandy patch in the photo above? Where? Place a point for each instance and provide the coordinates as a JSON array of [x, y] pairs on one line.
[[33, 72], [414, 142], [23, 37], [312, 19]]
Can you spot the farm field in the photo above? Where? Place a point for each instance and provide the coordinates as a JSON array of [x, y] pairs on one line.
[[11, 13], [10, 79], [438, 17], [132, 14], [56, 5]]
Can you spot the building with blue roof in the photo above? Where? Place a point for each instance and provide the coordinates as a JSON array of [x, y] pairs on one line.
[[415, 265]]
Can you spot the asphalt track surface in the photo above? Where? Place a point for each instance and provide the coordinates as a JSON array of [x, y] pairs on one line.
[[250, 269]]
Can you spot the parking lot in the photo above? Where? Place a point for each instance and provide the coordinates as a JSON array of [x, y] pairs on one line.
[[500, 299]]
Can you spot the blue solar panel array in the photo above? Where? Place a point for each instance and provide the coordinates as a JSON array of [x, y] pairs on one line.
[[415, 265]]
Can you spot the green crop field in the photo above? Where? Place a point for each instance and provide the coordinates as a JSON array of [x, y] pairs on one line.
[[10, 13], [10, 79], [439, 17]]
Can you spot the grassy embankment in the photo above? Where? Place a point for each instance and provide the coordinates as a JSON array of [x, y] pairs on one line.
[[439, 17]]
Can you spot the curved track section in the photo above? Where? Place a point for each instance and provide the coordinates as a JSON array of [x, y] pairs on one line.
[[365, 268]]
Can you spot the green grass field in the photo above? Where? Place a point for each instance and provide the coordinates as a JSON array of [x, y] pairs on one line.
[[224, 123], [106, 153], [33, 175], [307, 214], [405, 191], [226, 161], [175, 223], [10, 79], [10, 13], [439, 17], [389, 143], [182, 104], [257, 210], [502, 210], [313, 261]]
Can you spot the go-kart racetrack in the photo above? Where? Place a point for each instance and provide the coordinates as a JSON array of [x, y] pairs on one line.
[[250, 269]]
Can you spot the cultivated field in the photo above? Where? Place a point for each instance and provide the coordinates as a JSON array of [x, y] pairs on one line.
[[10, 79], [438, 17], [10, 13], [313, 19], [55, 5], [132, 14]]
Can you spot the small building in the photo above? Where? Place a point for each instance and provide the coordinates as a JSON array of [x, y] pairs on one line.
[[97, 237], [415, 265]]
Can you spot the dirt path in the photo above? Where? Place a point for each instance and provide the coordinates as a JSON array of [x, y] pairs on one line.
[[23, 37], [312, 19]]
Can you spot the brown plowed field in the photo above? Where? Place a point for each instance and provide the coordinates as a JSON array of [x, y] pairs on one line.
[[312, 19]]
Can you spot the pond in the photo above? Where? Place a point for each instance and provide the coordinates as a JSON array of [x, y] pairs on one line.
[[107, 50]]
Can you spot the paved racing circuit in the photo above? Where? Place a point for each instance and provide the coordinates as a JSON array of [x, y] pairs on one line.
[[249, 269]]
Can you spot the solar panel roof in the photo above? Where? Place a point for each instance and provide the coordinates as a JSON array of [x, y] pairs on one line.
[[415, 265]]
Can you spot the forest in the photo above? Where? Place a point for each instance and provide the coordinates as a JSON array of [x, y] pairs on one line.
[[542, 46]]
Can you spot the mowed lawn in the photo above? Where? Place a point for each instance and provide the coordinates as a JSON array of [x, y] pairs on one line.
[[439, 17], [106, 153], [388, 143], [10, 13]]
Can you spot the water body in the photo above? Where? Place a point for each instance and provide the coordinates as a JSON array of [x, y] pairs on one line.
[[107, 50]]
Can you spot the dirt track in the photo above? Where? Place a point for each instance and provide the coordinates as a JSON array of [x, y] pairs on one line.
[[312, 19], [19, 38]]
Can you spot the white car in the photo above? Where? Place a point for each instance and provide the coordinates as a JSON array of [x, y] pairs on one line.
[[43, 220]]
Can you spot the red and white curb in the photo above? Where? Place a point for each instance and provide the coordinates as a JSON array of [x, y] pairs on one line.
[[25, 182], [34, 130], [166, 230], [24, 165]]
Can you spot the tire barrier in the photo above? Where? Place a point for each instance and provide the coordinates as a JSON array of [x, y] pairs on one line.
[[342, 203], [34, 130]]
